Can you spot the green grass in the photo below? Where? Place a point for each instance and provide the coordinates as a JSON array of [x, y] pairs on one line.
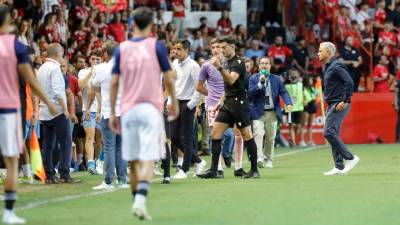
[[293, 193]]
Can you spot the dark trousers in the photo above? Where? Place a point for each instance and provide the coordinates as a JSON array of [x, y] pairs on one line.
[[57, 130], [182, 135], [333, 125], [398, 127]]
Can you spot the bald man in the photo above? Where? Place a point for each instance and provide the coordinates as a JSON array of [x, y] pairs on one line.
[[338, 89]]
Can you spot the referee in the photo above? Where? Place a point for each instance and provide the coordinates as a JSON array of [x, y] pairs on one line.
[[235, 109], [338, 88]]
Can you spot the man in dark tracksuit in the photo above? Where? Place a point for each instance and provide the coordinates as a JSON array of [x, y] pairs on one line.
[[338, 88]]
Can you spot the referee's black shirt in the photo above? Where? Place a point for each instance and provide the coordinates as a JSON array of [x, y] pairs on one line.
[[239, 88]]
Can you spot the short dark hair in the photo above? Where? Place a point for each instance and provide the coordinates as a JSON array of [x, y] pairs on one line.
[[185, 43], [227, 39], [95, 52], [143, 17], [213, 41], [4, 12]]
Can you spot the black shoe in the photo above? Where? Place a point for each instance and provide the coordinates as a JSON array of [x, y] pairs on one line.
[[166, 180], [252, 174], [240, 173], [221, 173], [227, 161], [82, 167], [69, 180], [209, 174], [174, 164], [51, 181]]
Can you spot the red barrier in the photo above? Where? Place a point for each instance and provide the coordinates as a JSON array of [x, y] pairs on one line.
[[371, 115]]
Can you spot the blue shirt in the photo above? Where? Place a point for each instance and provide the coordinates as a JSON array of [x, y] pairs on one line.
[[162, 55]]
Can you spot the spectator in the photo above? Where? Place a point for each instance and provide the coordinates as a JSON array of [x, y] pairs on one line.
[[279, 55], [393, 14], [343, 22], [34, 12], [23, 33], [301, 59], [62, 27], [256, 9], [362, 16], [49, 29], [255, 50], [171, 32], [117, 28], [387, 40], [351, 57], [178, 18], [250, 68], [224, 24], [240, 36], [380, 15], [355, 33], [310, 108], [381, 75]]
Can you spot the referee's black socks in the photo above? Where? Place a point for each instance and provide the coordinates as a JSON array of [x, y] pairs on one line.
[[215, 151], [251, 147]]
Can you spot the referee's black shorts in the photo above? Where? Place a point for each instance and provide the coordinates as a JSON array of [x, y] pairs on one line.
[[235, 110]]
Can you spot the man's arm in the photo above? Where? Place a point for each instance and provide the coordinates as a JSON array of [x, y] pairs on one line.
[[26, 72], [197, 95], [82, 82], [347, 83], [201, 88]]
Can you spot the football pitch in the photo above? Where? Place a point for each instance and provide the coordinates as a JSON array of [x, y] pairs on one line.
[[293, 193]]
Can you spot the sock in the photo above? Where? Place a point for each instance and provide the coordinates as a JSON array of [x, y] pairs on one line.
[[9, 198], [133, 194], [101, 155], [26, 170], [180, 161], [238, 151], [79, 159], [166, 163], [215, 153], [142, 189], [252, 152], [220, 163]]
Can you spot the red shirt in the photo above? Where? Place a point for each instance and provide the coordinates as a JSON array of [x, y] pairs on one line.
[[117, 30], [81, 12], [398, 74], [180, 8], [225, 26], [103, 28], [379, 72], [73, 84], [80, 36], [380, 16], [280, 53]]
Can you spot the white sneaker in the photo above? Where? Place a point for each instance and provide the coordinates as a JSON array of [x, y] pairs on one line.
[[350, 164], [302, 144], [180, 175], [334, 171], [124, 186], [311, 144], [100, 166], [104, 186], [268, 164], [199, 167], [157, 172], [140, 211], [9, 217]]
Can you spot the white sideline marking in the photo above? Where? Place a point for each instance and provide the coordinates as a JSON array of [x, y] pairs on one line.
[[73, 197]]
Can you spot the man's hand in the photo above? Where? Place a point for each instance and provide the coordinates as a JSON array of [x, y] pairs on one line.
[[216, 61], [52, 108], [74, 119], [341, 106], [173, 111], [115, 124], [87, 115], [98, 117], [289, 108]]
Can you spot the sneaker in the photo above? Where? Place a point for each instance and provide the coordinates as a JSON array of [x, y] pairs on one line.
[[251, 174], [100, 167], [350, 164], [180, 175], [140, 212], [311, 144], [104, 186], [9, 217], [92, 168], [268, 164], [199, 167], [123, 185], [260, 164], [302, 144], [334, 171], [166, 180], [239, 173], [210, 174]]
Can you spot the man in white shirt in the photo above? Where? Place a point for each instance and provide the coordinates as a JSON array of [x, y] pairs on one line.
[[55, 127], [90, 117], [112, 142], [182, 129]]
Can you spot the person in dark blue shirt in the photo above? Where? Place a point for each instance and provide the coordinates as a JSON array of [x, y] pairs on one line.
[[338, 89]]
